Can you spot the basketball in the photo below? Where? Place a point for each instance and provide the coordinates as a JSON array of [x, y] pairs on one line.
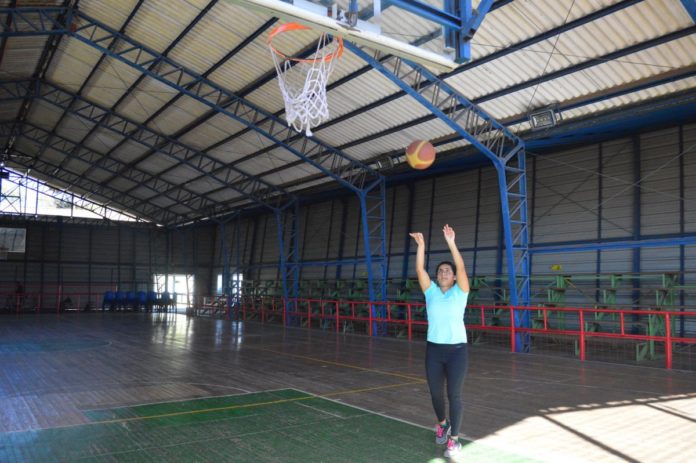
[[420, 154]]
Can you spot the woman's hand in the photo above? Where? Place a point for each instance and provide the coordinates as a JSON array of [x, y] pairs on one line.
[[449, 234], [418, 238]]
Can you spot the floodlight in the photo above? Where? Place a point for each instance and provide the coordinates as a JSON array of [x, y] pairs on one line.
[[544, 118]]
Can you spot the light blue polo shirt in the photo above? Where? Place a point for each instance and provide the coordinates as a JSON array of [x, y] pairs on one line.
[[446, 314]]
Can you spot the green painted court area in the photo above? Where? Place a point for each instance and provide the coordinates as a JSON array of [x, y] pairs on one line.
[[276, 426]]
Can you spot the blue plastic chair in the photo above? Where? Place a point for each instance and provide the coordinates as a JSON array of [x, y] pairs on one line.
[[131, 300], [121, 300]]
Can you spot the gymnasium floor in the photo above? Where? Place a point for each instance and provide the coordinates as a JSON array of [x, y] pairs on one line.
[[164, 387]]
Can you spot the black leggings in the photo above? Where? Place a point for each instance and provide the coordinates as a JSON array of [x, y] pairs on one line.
[[450, 362]]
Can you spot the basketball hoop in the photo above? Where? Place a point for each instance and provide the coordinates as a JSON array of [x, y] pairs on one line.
[[303, 81]]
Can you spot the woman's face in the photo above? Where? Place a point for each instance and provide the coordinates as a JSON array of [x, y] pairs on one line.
[[445, 276]]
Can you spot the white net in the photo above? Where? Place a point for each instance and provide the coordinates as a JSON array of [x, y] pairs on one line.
[[303, 83]]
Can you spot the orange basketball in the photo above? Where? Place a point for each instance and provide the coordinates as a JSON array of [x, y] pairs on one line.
[[420, 154]]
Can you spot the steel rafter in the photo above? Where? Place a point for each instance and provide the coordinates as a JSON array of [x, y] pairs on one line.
[[288, 232], [504, 149], [30, 21], [525, 43], [137, 82], [128, 204], [94, 70], [372, 213], [208, 115], [36, 20], [347, 171], [256, 190], [194, 202], [272, 75], [7, 25], [231, 288], [554, 75]]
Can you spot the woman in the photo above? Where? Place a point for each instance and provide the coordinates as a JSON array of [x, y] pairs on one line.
[[446, 353]]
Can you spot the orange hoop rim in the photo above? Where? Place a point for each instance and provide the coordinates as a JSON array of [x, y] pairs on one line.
[[292, 27]]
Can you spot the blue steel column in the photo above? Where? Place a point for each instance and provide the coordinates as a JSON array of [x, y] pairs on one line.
[[225, 250], [237, 286], [287, 223], [496, 142], [372, 213]]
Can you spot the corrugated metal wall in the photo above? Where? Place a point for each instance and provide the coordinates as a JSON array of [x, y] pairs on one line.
[[624, 189], [83, 258]]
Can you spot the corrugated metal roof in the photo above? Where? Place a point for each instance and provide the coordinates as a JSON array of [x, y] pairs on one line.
[[579, 70]]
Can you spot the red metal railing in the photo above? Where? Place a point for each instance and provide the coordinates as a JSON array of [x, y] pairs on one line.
[[659, 326]]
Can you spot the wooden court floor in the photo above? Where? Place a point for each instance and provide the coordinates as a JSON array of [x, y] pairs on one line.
[[164, 387]]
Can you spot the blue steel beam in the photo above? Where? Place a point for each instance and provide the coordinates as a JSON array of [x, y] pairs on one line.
[[254, 189], [641, 85], [504, 149], [258, 83], [137, 82], [603, 96], [345, 170], [690, 7], [31, 21], [560, 73], [61, 21], [356, 74], [7, 25], [171, 102], [182, 198], [190, 200], [288, 232], [207, 116], [471, 26], [573, 24], [367, 12], [430, 13], [94, 70]]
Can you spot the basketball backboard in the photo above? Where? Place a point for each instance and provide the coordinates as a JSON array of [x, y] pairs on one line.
[[372, 26], [13, 239]]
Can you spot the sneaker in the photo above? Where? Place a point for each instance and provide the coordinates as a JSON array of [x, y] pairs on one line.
[[441, 433], [454, 448]]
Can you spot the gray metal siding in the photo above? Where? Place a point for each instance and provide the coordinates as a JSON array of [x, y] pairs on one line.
[[397, 207], [565, 196], [618, 179], [659, 182]]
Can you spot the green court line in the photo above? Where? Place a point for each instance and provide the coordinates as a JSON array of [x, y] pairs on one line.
[[280, 426]]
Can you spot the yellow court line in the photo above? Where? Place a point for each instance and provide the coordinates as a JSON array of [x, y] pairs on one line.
[[256, 404], [346, 365]]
